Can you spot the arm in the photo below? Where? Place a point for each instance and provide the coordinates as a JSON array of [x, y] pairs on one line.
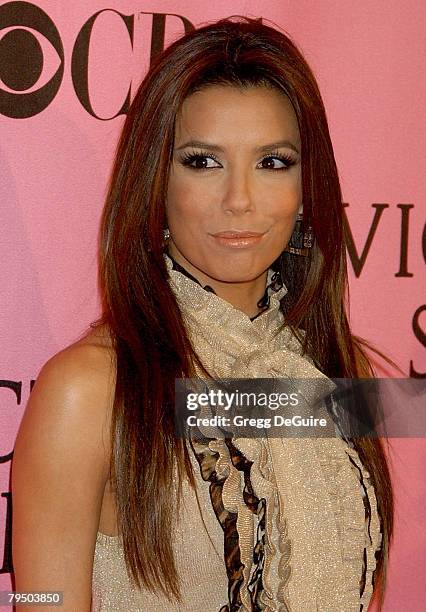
[[59, 471]]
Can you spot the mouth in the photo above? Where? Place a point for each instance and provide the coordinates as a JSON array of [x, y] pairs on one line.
[[237, 239], [237, 234]]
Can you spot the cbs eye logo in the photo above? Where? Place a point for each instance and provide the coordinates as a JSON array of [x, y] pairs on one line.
[[32, 58], [22, 58]]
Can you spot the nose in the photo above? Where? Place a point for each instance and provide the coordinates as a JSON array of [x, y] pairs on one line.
[[238, 196]]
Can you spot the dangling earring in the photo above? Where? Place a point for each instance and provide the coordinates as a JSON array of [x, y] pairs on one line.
[[166, 235], [301, 239]]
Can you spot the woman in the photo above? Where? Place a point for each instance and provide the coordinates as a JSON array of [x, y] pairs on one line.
[[223, 217]]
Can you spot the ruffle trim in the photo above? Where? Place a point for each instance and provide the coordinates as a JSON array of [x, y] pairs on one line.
[[265, 487], [242, 488], [359, 528]]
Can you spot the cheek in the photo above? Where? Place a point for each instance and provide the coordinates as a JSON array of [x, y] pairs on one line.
[[176, 200], [286, 205], [187, 202], [184, 216]]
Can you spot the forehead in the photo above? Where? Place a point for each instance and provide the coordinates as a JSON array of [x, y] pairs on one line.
[[226, 112]]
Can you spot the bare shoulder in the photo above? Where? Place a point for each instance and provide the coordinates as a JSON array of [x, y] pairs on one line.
[[70, 405], [61, 463], [88, 361], [79, 382]]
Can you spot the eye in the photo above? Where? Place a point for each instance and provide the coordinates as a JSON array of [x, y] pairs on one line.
[[200, 160], [277, 161]]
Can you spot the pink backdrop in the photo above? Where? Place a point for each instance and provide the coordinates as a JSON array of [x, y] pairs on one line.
[[56, 152]]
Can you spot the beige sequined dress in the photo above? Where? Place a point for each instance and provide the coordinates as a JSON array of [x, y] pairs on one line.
[[283, 524]]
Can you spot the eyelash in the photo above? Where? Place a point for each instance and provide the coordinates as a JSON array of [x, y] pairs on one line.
[[188, 158]]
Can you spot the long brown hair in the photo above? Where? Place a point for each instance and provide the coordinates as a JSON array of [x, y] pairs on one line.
[[150, 342]]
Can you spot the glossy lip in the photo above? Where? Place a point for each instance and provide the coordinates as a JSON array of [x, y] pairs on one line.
[[237, 234], [235, 239]]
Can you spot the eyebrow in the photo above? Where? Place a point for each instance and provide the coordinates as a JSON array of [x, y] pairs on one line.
[[213, 147]]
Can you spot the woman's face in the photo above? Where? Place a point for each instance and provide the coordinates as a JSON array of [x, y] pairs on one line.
[[236, 172]]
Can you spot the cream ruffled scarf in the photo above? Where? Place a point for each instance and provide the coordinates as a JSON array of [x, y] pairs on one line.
[[307, 542]]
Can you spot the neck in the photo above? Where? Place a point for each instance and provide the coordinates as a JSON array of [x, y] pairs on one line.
[[243, 295]]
